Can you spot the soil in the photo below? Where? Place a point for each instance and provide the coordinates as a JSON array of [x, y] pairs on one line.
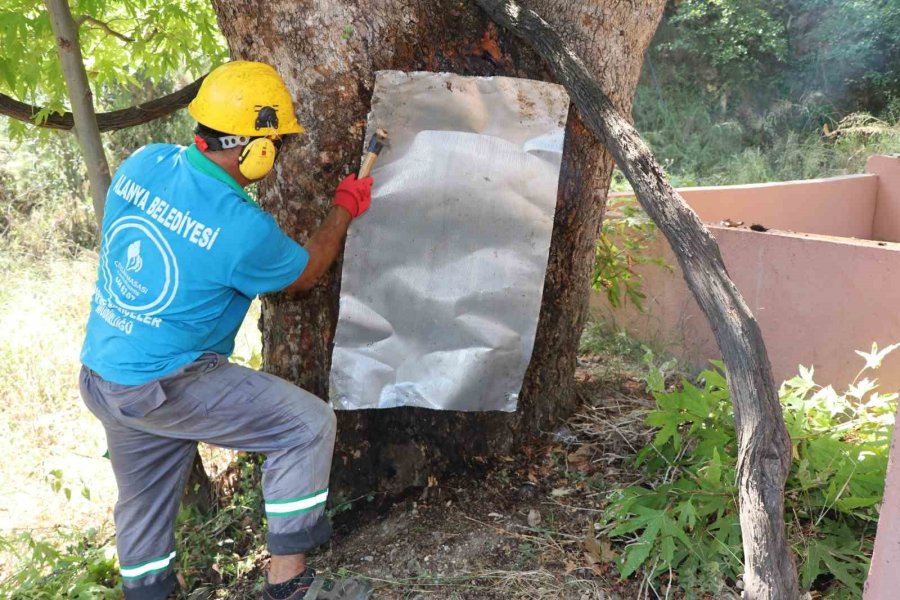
[[525, 526]]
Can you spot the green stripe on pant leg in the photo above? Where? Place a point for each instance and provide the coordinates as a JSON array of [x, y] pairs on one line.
[[296, 512], [147, 568], [281, 508]]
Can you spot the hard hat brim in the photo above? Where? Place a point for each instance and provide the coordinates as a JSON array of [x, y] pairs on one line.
[[294, 127]]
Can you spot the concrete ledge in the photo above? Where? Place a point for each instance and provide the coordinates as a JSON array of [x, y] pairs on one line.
[[819, 282], [839, 206]]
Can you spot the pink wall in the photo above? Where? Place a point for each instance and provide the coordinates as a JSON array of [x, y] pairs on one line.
[[817, 299], [839, 206], [884, 573], [818, 295], [886, 224]]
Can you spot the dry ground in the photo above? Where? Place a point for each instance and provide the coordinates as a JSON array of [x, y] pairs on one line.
[[525, 527]]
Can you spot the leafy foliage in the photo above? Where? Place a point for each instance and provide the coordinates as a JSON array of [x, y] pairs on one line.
[[849, 50], [79, 566], [217, 549], [214, 550], [740, 91], [762, 51], [156, 40], [740, 40], [622, 246], [699, 145], [687, 519]]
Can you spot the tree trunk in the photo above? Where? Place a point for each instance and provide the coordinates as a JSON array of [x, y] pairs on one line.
[[82, 100], [327, 52], [764, 453]]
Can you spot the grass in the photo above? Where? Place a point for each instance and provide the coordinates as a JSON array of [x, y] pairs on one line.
[[42, 310], [59, 478]]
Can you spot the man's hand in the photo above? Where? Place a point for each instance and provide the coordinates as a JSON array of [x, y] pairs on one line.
[[351, 199], [354, 195]]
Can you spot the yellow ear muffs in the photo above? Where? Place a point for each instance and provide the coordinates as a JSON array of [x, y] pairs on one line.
[[257, 158]]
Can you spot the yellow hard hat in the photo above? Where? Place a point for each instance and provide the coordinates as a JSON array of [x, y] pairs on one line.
[[245, 98]]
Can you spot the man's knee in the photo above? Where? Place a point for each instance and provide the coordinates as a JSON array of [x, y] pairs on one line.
[[328, 420], [331, 423], [314, 417]]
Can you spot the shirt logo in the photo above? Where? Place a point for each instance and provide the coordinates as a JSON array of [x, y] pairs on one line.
[[134, 262], [145, 249]]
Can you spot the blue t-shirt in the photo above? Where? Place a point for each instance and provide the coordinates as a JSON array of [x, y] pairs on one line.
[[183, 251]]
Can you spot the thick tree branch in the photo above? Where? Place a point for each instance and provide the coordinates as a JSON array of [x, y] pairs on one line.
[[110, 121], [82, 100], [764, 446]]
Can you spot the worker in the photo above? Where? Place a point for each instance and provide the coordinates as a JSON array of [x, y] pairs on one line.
[[184, 250]]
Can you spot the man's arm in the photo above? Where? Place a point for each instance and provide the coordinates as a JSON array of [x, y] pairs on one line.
[[351, 200], [323, 248]]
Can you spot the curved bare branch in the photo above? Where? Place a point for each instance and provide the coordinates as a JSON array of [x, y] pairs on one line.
[[764, 453], [109, 121]]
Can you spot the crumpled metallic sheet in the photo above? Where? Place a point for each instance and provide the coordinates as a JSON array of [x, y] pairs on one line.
[[442, 278]]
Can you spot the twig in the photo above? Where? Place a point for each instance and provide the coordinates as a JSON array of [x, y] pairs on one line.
[[104, 26]]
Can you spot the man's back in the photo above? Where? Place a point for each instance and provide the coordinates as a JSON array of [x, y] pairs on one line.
[[183, 252]]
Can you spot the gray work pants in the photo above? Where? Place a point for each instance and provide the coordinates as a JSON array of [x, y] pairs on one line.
[[152, 432]]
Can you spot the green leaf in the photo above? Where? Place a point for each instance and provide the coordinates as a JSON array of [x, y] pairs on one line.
[[687, 514], [636, 554], [714, 378], [714, 470], [812, 566], [693, 401], [667, 550], [853, 502], [668, 424]]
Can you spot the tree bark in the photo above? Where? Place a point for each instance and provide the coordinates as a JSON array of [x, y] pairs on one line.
[[108, 121], [82, 100], [327, 52], [764, 454]]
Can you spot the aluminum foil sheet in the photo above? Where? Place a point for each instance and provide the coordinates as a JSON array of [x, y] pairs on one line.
[[442, 278]]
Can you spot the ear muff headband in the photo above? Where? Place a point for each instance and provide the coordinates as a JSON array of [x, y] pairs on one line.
[[257, 158]]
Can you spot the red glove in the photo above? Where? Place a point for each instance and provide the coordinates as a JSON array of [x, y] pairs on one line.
[[355, 195]]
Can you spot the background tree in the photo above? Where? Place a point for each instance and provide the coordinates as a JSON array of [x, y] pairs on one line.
[[107, 45], [82, 100], [119, 45]]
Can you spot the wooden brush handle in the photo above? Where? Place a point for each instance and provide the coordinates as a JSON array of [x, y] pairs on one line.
[[374, 148]]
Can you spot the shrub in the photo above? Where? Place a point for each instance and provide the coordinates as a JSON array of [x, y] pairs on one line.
[[686, 518], [79, 566], [622, 246]]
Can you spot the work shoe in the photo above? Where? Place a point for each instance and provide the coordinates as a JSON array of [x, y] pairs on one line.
[[307, 586]]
